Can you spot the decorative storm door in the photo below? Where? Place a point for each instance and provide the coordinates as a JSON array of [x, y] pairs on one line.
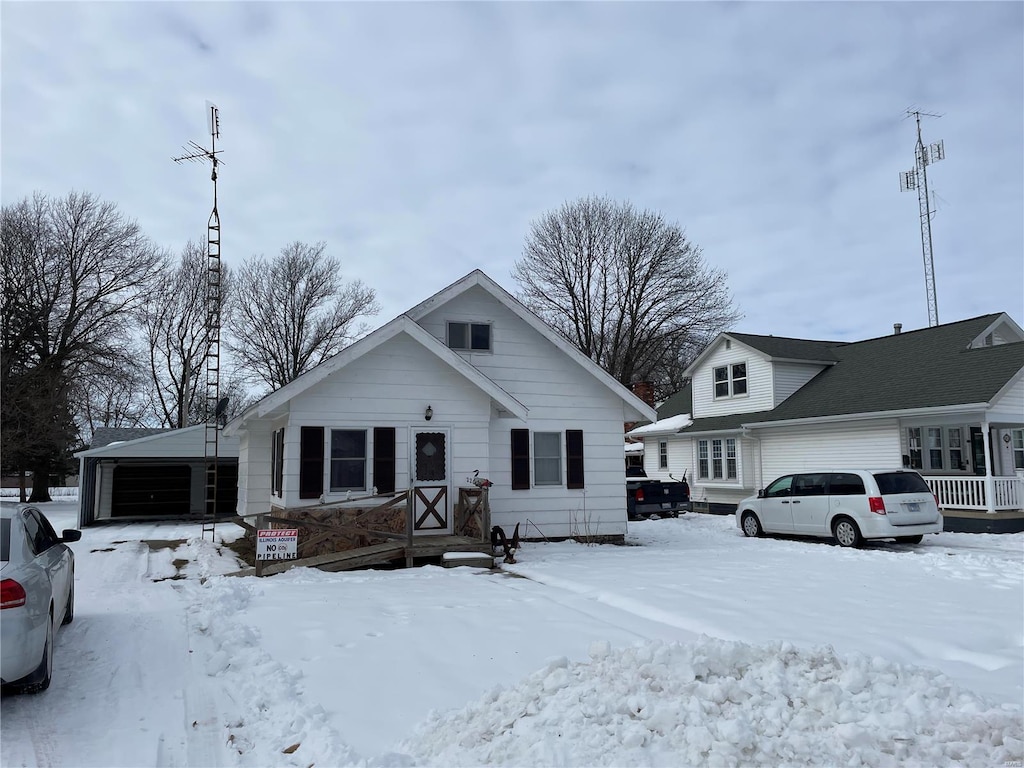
[[430, 509]]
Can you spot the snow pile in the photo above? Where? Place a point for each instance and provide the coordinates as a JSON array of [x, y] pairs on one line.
[[723, 703]]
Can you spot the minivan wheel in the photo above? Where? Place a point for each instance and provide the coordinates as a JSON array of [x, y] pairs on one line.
[[846, 532], [909, 539], [751, 525]]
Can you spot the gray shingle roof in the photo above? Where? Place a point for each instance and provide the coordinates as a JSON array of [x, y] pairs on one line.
[[106, 435], [790, 349], [926, 368], [680, 402]]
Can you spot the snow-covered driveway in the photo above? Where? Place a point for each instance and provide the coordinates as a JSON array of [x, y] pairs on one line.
[[334, 669]]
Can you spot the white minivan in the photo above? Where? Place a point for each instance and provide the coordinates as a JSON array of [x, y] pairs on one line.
[[850, 505]]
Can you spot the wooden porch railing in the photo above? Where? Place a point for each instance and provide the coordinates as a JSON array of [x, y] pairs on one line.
[[969, 493]]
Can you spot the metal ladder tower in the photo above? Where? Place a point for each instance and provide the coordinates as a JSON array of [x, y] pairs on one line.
[[917, 178], [214, 407]]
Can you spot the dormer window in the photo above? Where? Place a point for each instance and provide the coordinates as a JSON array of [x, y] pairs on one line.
[[731, 380], [471, 337]]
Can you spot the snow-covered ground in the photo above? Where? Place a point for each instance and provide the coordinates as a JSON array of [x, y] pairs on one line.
[[695, 646]]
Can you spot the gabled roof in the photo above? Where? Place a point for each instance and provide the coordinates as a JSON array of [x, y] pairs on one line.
[[679, 402], [187, 442], [479, 278], [782, 348], [400, 325], [773, 348], [102, 436], [928, 368]]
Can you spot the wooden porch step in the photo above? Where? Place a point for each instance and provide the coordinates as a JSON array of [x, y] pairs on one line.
[[376, 554]]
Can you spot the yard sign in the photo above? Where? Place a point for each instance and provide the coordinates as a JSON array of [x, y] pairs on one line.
[[277, 544]]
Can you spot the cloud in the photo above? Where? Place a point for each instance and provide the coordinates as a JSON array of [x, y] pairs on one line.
[[420, 140]]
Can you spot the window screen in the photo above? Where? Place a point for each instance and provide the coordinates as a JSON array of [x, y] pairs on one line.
[[547, 458]]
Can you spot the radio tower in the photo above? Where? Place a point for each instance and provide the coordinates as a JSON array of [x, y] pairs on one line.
[[917, 178], [214, 406]]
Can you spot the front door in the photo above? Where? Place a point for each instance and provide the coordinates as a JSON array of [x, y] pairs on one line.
[[431, 509], [978, 450]]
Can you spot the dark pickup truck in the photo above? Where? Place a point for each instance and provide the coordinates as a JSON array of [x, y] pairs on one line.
[[646, 497]]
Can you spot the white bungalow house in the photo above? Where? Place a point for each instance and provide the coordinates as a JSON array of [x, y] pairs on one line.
[[946, 400], [468, 383]]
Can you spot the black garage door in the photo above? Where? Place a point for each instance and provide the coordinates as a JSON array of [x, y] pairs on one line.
[[151, 490]]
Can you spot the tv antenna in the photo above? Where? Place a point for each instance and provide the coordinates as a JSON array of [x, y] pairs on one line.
[[213, 411], [917, 178]]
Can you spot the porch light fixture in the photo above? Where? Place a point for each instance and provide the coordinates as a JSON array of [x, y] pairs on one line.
[[429, 413]]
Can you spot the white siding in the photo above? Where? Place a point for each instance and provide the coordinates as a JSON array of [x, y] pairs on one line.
[[1010, 407], [254, 468], [560, 394], [789, 377], [393, 384], [859, 445], [175, 444], [760, 392]]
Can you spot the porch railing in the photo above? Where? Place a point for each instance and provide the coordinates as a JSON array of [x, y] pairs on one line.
[[969, 493]]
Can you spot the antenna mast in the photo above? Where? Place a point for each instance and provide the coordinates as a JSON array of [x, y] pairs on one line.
[[198, 154], [917, 178]]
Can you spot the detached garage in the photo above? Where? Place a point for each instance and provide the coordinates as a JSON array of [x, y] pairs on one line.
[[147, 474]]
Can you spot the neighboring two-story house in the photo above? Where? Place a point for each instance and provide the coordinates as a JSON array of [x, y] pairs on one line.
[[467, 384], [946, 400]]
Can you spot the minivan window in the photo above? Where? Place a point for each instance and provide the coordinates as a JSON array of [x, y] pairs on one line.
[[845, 484], [901, 482], [780, 487], [809, 485]]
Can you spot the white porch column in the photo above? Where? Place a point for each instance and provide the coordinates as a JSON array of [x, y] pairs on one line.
[[990, 483]]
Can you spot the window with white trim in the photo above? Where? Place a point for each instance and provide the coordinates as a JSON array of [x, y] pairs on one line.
[[348, 460], [471, 337], [663, 454], [730, 458], [934, 448], [730, 380], [547, 458], [1018, 448], [954, 437], [914, 448], [717, 459]]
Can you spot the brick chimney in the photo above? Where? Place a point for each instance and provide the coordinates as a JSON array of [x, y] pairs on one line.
[[645, 391]]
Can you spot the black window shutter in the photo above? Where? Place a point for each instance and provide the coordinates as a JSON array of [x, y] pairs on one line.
[[384, 459], [278, 462], [520, 459], [311, 463], [574, 458]]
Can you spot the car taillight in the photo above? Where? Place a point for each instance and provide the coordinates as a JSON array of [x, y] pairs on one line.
[[12, 594], [936, 499], [876, 504], [640, 495]]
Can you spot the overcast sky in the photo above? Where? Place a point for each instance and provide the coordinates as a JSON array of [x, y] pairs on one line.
[[420, 140]]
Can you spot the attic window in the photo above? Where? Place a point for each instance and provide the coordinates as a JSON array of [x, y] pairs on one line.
[[472, 337], [731, 380], [728, 343]]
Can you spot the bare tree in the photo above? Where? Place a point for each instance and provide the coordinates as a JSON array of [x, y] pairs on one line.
[[625, 287], [290, 313], [112, 394], [74, 269], [174, 324]]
